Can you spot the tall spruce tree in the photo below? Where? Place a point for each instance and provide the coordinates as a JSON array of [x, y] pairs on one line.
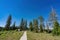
[[31, 26], [13, 26], [52, 17], [8, 23], [26, 25], [35, 25], [41, 23], [22, 25]]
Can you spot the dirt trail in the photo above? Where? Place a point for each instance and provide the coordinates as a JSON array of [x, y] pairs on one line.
[[24, 36]]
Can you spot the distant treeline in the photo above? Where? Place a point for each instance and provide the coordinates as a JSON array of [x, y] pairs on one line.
[[37, 25]]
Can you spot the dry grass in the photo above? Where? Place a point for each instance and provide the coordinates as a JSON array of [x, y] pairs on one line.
[[10, 35], [41, 36]]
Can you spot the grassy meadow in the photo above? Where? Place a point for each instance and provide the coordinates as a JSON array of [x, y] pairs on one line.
[[10, 35], [41, 36]]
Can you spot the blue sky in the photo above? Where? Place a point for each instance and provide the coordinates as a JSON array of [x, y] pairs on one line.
[[27, 9]]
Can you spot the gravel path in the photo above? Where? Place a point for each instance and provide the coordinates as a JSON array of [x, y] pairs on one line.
[[24, 36]]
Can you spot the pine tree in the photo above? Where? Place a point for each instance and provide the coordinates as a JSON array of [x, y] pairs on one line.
[[41, 28], [22, 25], [13, 26], [41, 23], [35, 25], [56, 28], [52, 17], [31, 26], [8, 23], [26, 25]]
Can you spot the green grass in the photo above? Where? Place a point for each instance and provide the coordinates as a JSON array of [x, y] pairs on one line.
[[41, 36], [10, 35]]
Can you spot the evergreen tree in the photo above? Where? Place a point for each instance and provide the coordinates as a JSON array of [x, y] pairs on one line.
[[8, 23], [22, 25], [35, 22], [31, 26], [13, 26], [56, 28], [52, 17], [41, 28], [26, 25], [1, 28], [41, 23]]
